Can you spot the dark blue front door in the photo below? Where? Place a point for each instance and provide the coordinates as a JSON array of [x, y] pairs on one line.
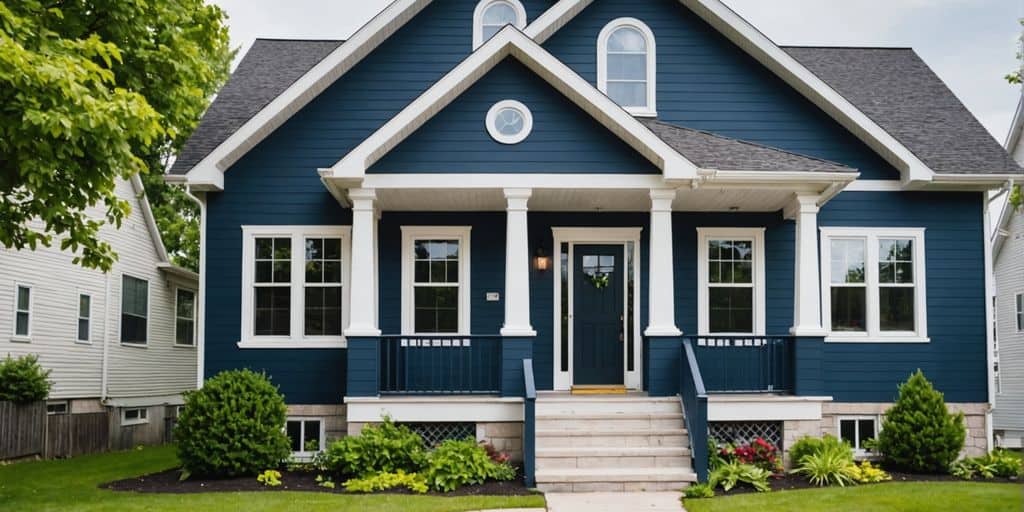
[[597, 314]]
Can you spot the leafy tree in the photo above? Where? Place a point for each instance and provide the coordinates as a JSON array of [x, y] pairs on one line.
[[918, 432], [1016, 76], [23, 380], [1016, 200], [95, 90]]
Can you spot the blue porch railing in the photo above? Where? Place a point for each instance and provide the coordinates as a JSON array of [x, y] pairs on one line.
[[745, 364], [695, 408], [422, 364], [529, 424]]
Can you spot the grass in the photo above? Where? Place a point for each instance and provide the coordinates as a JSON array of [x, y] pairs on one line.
[[902, 497], [72, 485]]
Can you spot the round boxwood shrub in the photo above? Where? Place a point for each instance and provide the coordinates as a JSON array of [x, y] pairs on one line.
[[918, 432], [22, 380], [233, 426]]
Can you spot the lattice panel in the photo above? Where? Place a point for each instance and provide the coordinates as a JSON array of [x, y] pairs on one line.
[[434, 434], [745, 432]]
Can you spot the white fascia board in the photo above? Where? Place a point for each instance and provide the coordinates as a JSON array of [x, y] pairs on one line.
[[470, 181], [147, 214], [208, 173], [1016, 128], [554, 19], [751, 40], [511, 42]]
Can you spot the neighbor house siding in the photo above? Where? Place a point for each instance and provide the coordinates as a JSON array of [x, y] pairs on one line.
[[1009, 274], [706, 82]]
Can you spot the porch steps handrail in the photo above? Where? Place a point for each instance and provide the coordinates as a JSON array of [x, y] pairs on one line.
[[529, 425], [695, 408]]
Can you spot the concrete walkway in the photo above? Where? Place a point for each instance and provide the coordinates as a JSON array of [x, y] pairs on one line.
[[615, 502]]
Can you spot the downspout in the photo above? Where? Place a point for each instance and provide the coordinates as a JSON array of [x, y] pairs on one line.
[[989, 318], [105, 363], [201, 309]]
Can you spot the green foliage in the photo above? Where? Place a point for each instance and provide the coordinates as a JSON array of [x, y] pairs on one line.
[[809, 445], [325, 481], [715, 459], [457, 463], [22, 380], [865, 473], [698, 491], [94, 91], [383, 481], [270, 478], [729, 474], [1016, 199], [387, 448], [828, 465], [998, 463], [232, 426], [1016, 77], [918, 432]]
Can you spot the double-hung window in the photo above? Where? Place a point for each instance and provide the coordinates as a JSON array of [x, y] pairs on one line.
[[22, 312], [730, 268], [185, 317], [294, 286], [134, 310], [435, 277], [873, 284], [1020, 312], [84, 317]]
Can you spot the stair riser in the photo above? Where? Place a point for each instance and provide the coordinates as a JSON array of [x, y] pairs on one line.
[[612, 486], [625, 423], [598, 407], [612, 462], [676, 441]]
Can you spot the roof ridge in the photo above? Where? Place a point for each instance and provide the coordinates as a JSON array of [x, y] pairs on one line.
[[300, 40], [846, 47], [749, 143]]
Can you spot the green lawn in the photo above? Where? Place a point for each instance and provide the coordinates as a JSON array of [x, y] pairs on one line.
[[71, 485], [902, 497]]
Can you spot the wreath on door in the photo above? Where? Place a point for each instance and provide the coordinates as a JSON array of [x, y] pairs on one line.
[[599, 280]]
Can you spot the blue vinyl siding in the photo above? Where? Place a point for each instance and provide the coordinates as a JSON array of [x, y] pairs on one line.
[[706, 82], [955, 359], [564, 139]]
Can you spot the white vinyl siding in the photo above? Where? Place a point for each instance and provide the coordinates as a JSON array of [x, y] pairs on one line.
[[1009, 278]]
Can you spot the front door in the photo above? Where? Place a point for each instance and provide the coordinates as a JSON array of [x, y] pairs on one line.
[[598, 297]]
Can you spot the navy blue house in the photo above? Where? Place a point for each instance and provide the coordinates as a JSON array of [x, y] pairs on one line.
[[472, 212]]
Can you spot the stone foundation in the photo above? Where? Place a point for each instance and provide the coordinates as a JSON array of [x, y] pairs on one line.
[[506, 437], [335, 425]]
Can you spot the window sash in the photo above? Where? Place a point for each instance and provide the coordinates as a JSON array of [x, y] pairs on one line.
[[725, 287], [455, 277], [1020, 312], [858, 436], [185, 326], [84, 317], [22, 311], [134, 310]]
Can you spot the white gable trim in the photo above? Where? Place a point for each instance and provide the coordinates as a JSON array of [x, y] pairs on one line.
[[208, 173], [147, 214], [511, 42]]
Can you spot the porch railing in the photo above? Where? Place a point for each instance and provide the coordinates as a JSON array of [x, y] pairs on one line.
[[529, 424], [745, 364], [695, 408], [436, 365]]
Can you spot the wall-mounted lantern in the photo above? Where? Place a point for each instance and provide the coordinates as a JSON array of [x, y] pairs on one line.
[[541, 260]]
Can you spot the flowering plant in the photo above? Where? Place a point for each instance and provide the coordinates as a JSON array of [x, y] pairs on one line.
[[760, 453]]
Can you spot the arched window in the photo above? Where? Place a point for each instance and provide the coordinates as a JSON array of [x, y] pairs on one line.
[[626, 65], [492, 15]]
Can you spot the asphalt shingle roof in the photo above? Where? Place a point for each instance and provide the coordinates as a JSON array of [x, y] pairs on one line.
[[899, 92], [711, 151]]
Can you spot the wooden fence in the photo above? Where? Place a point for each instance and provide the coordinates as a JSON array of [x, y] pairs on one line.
[[26, 431]]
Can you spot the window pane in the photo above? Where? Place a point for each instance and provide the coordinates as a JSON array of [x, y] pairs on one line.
[[294, 430], [627, 66], [21, 324], [312, 441], [847, 261], [628, 94], [23, 298], [84, 306], [282, 271], [436, 309], [133, 329], [185, 332], [83, 329], [731, 309], [896, 308], [272, 315], [282, 248], [499, 13], [848, 431], [867, 430], [848, 309], [264, 271], [134, 296], [323, 311], [563, 256], [314, 272], [1020, 312], [186, 304], [627, 39], [314, 249], [742, 272], [264, 248], [896, 261]]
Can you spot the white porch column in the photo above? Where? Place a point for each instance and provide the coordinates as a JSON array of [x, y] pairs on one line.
[[517, 265], [807, 284], [661, 283], [363, 296]]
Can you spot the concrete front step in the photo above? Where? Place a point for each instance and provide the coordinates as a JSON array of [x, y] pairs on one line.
[[612, 438], [626, 421], [564, 405], [602, 457], [613, 480]]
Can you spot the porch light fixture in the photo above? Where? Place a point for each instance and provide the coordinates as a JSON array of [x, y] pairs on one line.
[[541, 260]]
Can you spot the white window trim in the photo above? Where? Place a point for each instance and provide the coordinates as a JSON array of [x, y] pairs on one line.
[[302, 454], [1018, 309], [858, 452], [409, 235], [478, 18], [297, 337], [195, 322], [501, 138], [756, 237], [874, 334], [651, 109], [141, 420], [79, 318], [14, 308], [149, 313]]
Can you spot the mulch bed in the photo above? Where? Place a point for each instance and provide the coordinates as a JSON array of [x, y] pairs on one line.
[[168, 482], [795, 482]]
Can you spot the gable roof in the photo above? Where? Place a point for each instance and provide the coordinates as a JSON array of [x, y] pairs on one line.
[[711, 151], [898, 90], [154, 234]]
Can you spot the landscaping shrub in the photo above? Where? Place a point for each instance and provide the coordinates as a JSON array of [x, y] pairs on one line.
[[998, 463], [760, 453], [696, 491], [232, 426], [386, 448], [729, 474], [808, 445], [22, 380], [383, 481], [270, 478], [918, 432], [457, 463], [828, 466], [715, 459], [865, 473]]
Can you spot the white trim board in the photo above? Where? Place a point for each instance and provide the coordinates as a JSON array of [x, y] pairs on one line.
[[765, 408], [433, 409]]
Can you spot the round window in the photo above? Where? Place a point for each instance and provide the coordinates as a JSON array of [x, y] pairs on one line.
[[509, 122]]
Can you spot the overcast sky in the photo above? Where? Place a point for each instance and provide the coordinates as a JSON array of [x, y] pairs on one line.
[[969, 43]]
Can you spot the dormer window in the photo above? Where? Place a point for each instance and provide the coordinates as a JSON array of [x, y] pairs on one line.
[[492, 15], [626, 65]]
